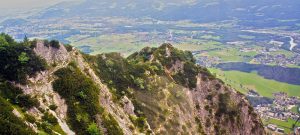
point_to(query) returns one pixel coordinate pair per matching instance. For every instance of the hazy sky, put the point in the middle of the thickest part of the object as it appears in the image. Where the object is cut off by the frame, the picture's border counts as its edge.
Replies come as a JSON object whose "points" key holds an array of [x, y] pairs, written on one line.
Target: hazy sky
{"points": [[14, 4]]}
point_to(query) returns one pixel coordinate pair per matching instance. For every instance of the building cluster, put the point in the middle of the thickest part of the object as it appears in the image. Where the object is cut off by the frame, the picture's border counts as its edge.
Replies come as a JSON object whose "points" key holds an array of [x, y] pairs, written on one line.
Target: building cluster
{"points": [[280, 109], [248, 49], [207, 61], [274, 128], [279, 59]]}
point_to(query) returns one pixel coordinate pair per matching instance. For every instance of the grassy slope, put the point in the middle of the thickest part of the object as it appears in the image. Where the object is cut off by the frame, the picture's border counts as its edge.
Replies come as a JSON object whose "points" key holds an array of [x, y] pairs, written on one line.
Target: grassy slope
{"points": [[265, 87]]}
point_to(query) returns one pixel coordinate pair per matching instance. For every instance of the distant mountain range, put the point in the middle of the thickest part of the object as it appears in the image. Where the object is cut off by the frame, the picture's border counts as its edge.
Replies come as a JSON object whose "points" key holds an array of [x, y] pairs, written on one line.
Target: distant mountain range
{"points": [[247, 11], [253, 13]]}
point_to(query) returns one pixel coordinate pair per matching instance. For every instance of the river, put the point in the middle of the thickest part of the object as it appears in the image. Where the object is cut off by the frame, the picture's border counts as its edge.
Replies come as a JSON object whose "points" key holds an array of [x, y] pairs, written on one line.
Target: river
{"points": [[292, 43]]}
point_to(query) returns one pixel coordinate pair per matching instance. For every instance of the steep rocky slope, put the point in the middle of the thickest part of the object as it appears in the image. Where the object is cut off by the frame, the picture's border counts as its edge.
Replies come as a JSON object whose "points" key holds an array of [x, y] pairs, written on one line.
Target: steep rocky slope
{"points": [[195, 97], [154, 91]]}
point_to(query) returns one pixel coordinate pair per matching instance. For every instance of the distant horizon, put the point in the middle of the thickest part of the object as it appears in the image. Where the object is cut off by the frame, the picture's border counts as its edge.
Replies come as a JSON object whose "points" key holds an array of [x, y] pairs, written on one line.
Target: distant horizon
{"points": [[11, 7]]}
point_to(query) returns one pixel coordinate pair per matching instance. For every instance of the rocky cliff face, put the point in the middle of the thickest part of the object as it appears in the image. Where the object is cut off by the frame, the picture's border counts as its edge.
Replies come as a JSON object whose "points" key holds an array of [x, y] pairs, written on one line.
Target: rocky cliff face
{"points": [[201, 103], [154, 91]]}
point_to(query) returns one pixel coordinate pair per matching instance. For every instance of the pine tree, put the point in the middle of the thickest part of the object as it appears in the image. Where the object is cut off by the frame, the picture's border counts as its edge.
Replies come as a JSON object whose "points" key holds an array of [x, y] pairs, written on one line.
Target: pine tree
{"points": [[26, 41]]}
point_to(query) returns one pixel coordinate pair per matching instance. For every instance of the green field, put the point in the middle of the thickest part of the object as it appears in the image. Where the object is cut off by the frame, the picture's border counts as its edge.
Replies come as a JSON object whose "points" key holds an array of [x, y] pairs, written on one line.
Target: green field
{"points": [[295, 109], [129, 43], [126, 44], [286, 125], [212, 37], [246, 37], [242, 81], [202, 45]]}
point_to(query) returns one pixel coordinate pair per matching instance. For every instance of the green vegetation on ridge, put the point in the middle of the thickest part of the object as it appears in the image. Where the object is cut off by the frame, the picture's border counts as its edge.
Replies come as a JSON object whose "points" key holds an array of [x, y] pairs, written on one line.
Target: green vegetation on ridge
{"points": [[11, 124], [17, 60], [15, 96], [83, 102]]}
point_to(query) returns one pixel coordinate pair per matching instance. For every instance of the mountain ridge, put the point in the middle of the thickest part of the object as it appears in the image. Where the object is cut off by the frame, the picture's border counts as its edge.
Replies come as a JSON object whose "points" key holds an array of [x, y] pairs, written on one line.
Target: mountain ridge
{"points": [[154, 91]]}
